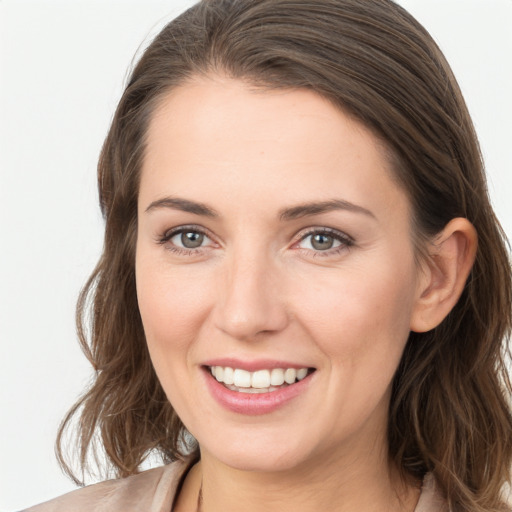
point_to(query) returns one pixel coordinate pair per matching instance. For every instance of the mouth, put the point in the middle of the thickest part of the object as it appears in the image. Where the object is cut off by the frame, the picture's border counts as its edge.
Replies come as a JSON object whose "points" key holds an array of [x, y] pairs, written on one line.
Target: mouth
{"points": [[260, 381]]}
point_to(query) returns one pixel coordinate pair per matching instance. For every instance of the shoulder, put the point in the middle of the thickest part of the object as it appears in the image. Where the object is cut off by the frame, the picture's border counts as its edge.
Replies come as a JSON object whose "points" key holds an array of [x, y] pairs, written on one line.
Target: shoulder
{"points": [[151, 490]]}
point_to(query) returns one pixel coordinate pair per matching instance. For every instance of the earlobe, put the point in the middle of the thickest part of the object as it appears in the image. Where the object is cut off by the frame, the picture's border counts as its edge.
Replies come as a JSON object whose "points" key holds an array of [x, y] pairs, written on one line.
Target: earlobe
{"points": [[451, 256]]}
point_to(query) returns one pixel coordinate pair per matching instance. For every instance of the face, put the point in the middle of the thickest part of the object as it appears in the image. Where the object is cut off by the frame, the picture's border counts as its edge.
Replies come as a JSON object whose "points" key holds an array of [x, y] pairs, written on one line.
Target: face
{"points": [[274, 250]]}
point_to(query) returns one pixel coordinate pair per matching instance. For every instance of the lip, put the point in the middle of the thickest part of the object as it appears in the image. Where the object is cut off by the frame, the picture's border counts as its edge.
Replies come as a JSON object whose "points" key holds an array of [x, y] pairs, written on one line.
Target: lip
{"points": [[258, 403], [253, 366]]}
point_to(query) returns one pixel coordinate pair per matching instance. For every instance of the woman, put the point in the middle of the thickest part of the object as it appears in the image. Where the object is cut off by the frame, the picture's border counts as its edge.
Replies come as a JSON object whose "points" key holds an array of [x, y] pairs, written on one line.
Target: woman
{"points": [[301, 269]]}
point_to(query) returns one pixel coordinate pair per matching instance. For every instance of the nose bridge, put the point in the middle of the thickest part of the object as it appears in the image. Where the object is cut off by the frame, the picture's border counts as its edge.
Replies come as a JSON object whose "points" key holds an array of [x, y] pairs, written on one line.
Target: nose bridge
{"points": [[251, 296]]}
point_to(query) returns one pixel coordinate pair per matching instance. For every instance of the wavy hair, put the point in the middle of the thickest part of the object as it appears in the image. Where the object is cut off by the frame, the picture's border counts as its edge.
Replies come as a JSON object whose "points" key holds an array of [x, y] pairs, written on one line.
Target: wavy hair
{"points": [[450, 409]]}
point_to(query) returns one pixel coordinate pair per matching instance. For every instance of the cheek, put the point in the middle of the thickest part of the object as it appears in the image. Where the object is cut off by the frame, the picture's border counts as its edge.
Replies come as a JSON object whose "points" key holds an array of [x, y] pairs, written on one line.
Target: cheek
{"points": [[170, 303], [362, 315], [360, 322]]}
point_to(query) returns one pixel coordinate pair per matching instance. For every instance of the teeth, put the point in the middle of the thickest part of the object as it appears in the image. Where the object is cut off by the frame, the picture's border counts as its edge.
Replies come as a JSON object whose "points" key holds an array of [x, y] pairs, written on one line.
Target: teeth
{"points": [[261, 381], [254, 391], [300, 374], [277, 377], [228, 375], [290, 375], [241, 378]]}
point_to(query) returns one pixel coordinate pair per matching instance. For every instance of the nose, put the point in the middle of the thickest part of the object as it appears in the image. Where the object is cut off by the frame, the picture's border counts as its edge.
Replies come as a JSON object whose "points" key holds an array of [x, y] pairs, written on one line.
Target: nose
{"points": [[251, 298]]}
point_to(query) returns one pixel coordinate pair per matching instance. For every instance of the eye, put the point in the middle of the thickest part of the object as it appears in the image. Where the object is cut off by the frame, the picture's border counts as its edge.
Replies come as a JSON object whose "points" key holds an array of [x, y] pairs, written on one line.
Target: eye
{"points": [[324, 240], [185, 239], [319, 242], [189, 239]]}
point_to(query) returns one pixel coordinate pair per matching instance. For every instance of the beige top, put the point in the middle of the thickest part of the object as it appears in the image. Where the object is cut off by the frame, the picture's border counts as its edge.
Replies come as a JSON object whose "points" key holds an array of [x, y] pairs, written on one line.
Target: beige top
{"points": [[154, 491]]}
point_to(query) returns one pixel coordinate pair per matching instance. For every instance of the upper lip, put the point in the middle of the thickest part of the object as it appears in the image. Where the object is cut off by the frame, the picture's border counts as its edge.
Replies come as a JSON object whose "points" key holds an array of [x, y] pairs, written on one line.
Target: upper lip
{"points": [[254, 365]]}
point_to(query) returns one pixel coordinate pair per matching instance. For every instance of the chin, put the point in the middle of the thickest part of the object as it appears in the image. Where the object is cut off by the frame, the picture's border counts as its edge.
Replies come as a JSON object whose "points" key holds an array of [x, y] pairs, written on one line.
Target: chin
{"points": [[258, 462], [259, 452]]}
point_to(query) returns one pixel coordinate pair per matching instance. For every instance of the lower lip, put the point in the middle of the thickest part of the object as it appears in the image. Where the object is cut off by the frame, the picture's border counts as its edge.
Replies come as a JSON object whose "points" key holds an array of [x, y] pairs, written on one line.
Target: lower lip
{"points": [[254, 403]]}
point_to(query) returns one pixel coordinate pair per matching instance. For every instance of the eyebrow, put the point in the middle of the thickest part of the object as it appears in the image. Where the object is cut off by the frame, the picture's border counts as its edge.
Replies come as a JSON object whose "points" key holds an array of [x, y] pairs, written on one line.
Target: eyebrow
{"points": [[316, 208], [184, 205], [286, 214]]}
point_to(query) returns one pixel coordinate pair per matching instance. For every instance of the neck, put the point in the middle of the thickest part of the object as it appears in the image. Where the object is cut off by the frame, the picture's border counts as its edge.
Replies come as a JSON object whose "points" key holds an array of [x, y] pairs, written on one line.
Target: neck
{"points": [[365, 483]]}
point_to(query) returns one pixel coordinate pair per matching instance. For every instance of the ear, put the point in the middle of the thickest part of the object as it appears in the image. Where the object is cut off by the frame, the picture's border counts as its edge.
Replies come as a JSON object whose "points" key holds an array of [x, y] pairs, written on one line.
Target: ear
{"points": [[450, 258]]}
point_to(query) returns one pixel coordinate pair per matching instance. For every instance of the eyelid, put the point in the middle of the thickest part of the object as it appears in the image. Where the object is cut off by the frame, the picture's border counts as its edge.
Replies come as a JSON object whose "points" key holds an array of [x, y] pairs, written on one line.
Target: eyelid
{"points": [[170, 233], [323, 230], [346, 241]]}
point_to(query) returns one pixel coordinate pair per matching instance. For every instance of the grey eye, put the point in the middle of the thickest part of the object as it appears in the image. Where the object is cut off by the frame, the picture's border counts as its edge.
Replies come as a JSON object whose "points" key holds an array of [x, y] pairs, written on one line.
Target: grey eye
{"points": [[322, 242], [191, 239]]}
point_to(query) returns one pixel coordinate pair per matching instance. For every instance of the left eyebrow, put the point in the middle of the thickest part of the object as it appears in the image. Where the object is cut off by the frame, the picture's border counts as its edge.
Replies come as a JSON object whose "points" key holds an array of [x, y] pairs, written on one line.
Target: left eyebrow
{"points": [[185, 205], [316, 208]]}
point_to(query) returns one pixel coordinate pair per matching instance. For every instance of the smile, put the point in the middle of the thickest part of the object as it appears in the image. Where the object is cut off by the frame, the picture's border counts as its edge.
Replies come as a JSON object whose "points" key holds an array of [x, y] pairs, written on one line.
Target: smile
{"points": [[256, 388], [260, 381]]}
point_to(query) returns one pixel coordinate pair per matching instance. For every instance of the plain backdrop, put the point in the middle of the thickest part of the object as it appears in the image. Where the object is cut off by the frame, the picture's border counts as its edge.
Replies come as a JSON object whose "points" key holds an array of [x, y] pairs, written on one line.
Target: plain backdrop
{"points": [[62, 67]]}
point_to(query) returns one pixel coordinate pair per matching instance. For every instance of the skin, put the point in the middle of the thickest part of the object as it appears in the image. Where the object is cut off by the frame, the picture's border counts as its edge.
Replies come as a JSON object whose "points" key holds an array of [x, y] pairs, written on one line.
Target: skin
{"points": [[258, 289]]}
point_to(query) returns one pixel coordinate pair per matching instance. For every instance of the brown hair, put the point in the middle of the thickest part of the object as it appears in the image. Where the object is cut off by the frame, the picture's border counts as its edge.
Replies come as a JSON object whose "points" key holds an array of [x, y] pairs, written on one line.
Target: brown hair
{"points": [[450, 412]]}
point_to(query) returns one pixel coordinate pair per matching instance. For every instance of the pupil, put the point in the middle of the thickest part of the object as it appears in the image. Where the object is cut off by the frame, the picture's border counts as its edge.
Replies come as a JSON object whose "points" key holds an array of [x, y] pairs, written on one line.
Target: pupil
{"points": [[191, 240], [322, 242]]}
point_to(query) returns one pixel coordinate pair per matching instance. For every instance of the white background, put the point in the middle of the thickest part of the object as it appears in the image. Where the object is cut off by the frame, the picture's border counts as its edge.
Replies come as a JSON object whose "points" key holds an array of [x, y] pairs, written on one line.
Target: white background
{"points": [[62, 67]]}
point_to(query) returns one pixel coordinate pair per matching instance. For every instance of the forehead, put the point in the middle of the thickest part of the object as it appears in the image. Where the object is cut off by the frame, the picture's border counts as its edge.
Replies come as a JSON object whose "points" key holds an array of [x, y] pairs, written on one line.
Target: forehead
{"points": [[218, 110], [218, 134]]}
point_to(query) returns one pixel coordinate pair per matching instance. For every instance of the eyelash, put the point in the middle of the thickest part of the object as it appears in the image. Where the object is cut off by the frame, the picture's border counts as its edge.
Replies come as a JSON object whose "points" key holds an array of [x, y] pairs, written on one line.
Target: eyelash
{"points": [[345, 241], [182, 251]]}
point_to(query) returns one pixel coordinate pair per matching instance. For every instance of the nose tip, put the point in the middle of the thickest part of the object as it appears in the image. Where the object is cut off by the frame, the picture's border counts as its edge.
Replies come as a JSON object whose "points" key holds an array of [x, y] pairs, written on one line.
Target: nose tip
{"points": [[251, 303]]}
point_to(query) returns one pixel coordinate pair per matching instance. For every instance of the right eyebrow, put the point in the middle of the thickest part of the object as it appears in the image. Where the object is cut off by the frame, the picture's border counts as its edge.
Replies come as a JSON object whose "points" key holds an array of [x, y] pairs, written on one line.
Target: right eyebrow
{"points": [[317, 208], [185, 205]]}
